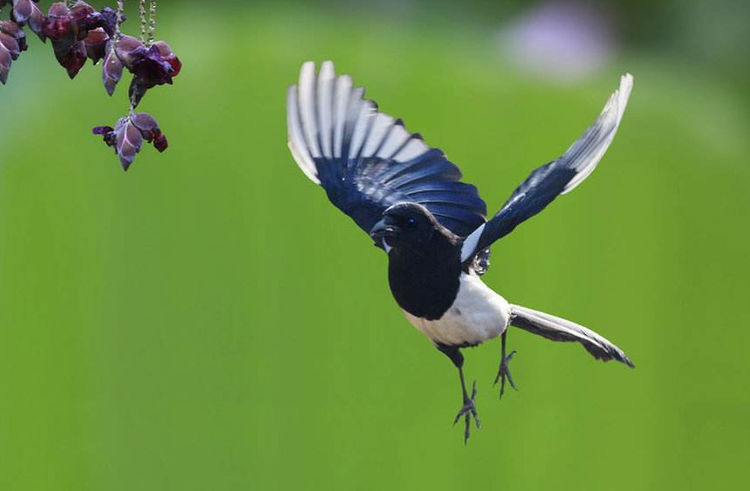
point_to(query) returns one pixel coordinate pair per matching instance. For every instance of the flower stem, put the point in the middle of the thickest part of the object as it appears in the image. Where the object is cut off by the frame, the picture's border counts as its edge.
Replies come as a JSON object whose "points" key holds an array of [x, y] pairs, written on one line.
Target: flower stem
{"points": [[142, 15], [120, 12], [151, 21]]}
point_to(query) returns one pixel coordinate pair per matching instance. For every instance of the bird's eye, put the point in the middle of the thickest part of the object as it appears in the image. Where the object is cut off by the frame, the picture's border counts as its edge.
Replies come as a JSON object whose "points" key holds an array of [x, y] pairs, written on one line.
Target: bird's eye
{"points": [[411, 222]]}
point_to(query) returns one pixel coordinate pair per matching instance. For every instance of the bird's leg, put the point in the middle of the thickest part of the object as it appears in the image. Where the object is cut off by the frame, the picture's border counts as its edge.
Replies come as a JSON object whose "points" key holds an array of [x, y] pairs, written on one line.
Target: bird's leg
{"points": [[469, 409], [503, 372]]}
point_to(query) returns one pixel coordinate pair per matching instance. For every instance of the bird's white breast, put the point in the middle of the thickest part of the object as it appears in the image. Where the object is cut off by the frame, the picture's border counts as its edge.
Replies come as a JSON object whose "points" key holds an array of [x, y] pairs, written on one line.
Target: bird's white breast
{"points": [[477, 314]]}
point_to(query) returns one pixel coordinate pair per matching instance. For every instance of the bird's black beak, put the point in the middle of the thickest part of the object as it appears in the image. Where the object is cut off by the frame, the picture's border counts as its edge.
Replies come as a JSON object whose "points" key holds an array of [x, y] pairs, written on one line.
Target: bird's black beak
{"points": [[384, 229]]}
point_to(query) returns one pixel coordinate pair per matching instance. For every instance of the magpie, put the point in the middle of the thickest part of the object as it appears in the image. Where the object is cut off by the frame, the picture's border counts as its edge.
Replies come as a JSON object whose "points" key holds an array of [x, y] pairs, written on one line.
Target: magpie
{"points": [[411, 201]]}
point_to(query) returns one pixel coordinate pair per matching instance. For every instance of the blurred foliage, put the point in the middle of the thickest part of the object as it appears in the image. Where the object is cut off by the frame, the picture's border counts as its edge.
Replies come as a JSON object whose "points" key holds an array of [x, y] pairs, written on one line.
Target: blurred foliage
{"points": [[209, 321], [712, 35]]}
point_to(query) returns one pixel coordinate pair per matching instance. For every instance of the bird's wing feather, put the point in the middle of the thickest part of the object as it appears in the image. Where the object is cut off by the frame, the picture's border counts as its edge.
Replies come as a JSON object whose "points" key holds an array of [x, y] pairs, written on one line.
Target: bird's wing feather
{"points": [[558, 177], [366, 160], [558, 329]]}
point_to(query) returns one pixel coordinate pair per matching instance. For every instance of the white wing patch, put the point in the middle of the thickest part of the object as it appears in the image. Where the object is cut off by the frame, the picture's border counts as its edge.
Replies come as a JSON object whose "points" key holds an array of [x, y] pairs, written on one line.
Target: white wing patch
{"points": [[325, 107], [326, 115], [413, 149], [470, 243], [395, 140], [589, 149], [380, 126], [582, 156], [343, 90], [297, 144], [307, 105], [361, 128]]}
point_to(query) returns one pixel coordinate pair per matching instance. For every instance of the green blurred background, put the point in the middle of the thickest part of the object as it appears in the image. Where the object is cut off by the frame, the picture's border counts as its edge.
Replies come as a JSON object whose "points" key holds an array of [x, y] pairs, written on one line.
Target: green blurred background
{"points": [[209, 321]]}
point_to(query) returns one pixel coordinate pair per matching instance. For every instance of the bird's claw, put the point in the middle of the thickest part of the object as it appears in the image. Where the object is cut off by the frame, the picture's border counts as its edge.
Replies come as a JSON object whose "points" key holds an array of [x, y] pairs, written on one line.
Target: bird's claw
{"points": [[468, 411], [504, 373]]}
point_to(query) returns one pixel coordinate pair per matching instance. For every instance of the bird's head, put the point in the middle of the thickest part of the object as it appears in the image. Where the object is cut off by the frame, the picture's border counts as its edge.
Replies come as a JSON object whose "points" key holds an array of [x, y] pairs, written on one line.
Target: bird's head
{"points": [[405, 225]]}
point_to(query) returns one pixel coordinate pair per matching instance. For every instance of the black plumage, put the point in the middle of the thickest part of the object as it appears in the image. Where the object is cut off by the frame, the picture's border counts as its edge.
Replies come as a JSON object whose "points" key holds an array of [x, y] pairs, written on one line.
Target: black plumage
{"points": [[424, 264]]}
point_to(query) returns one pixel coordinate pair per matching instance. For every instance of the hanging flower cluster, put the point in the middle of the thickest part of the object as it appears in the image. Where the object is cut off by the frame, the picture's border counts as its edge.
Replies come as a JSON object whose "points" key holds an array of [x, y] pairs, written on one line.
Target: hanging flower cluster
{"points": [[128, 134], [79, 32]]}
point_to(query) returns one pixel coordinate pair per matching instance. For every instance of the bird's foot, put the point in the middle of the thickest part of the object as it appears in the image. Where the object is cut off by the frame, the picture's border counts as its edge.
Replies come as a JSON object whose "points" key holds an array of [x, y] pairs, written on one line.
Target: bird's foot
{"points": [[468, 411], [503, 373]]}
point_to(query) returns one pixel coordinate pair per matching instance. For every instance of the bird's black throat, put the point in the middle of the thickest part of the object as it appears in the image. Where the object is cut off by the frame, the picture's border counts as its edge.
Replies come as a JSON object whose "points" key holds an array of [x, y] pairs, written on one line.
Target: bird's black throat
{"points": [[425, 282]]}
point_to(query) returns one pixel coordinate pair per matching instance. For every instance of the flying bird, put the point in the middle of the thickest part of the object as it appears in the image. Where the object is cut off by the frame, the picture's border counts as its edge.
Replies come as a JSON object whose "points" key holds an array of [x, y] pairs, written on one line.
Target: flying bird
{"points": [[410, 200]]}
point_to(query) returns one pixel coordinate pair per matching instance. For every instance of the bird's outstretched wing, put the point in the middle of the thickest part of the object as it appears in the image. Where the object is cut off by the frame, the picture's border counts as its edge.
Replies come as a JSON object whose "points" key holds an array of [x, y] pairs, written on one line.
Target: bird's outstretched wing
{"points": [[366, 160], [558, 177]]}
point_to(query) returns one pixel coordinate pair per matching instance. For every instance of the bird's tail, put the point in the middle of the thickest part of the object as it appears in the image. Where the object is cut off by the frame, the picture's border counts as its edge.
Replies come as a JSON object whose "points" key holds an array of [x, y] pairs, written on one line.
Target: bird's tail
{"points": [[558, 329]]}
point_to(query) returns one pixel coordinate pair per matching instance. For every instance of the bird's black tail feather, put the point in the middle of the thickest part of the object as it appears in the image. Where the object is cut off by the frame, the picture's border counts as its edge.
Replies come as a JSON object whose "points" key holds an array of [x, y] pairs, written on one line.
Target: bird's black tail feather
{"points": [[558, 329]]}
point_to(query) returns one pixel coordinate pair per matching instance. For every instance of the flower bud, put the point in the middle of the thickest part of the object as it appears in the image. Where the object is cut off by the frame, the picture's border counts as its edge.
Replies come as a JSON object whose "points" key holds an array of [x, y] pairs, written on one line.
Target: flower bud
{"points": [[14, 30], [169, 57], [22, 10], [57, 25], [96, 44], [111, 69], [36, 22], [128, 134], [5, 61], [128, 143], [129, 50], [10, 44]]}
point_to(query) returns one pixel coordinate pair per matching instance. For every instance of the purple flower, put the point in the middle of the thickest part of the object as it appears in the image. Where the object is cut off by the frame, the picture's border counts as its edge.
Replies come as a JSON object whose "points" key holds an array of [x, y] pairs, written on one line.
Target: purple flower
{"points": [[12, 42], [124, 138], [127, 49], [107, 132], [14, 30], [166, 52], [5, 61], [128, 134], [71, 56], [106, 18], [80, 15], [150, 130], [111, 69], [22, 10], [28, 12], [57, 25], [96, 44], [36, 22], [84, 18], [78, 32], [152, 66], [148, 72]]}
